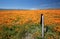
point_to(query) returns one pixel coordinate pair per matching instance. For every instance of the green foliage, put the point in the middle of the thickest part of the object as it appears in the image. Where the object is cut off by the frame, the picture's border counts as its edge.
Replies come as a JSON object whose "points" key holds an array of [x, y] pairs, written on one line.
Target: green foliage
{"points": [[18, 31]]}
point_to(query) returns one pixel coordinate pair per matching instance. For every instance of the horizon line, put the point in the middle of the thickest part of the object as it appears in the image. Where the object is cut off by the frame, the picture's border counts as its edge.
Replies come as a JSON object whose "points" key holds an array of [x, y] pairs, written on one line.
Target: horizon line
{"points": [[29, 9]]}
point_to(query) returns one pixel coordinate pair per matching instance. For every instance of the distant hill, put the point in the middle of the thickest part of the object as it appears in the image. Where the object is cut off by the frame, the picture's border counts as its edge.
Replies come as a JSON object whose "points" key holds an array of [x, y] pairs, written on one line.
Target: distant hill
{"points": [[35, 9]]}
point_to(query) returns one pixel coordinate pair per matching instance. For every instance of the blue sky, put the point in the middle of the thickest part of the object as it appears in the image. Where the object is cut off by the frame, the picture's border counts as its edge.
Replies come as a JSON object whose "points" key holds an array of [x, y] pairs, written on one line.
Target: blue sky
{"points": [[29, 4]]}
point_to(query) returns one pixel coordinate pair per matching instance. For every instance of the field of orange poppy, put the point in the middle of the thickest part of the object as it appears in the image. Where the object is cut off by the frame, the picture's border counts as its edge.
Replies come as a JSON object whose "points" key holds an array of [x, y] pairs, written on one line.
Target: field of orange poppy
{"points": [[50, 16], [11, 17]]}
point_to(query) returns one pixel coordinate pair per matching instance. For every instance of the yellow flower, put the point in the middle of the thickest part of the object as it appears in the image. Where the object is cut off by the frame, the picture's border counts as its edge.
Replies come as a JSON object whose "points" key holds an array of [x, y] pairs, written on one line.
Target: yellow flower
{"points": [[36, 34], [26, 27]]}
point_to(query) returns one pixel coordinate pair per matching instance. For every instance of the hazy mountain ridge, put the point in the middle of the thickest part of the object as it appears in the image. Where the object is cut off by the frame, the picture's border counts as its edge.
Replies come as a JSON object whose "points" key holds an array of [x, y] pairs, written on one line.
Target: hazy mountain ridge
{"points": [[33, 9]]}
